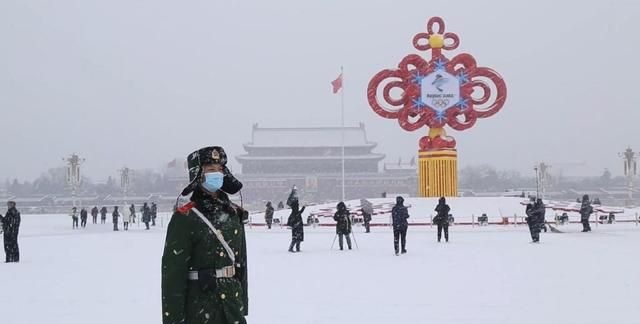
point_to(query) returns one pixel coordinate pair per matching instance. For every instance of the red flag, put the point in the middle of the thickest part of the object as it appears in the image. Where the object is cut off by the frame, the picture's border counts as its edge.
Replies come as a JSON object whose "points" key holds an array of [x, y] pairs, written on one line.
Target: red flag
{"points": [[337, 84], [172, 164]]}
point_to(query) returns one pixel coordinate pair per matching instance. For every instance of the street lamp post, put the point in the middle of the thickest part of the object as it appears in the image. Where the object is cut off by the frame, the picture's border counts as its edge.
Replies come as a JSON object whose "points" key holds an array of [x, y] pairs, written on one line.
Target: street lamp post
{"points": [[537, 182], [125, 181], [630, 170], [73, 174], [542, 174]]}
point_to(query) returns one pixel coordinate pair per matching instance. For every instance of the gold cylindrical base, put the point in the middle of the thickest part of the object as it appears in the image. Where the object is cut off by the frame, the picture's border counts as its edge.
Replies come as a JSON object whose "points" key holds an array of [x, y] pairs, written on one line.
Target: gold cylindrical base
{"points": [[438, 173]]}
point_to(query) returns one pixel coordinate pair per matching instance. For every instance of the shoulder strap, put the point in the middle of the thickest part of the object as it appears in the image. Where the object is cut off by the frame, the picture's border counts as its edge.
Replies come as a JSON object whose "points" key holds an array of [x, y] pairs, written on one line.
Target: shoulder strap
{"points": [[218, 235]]}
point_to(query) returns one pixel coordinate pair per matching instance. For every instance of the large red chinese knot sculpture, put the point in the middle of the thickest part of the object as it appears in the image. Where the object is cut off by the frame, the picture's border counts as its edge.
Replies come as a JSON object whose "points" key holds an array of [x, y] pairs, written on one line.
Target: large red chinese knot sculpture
{"points": [[437, 92]]}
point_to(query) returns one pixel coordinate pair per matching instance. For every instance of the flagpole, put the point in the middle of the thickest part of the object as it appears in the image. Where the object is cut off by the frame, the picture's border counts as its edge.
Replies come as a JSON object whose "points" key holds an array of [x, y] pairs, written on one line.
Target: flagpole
{"points": [[342, 126]]}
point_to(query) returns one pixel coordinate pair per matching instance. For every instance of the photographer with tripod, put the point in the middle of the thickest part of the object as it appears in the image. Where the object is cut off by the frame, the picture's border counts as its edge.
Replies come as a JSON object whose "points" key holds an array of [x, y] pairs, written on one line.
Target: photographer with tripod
{"points": [[343, 224]]}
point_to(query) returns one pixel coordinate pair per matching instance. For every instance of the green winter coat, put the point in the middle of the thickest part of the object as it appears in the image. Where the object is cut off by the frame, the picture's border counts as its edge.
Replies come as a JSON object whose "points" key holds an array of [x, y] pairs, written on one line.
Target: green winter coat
{"points": [[190, 245]]}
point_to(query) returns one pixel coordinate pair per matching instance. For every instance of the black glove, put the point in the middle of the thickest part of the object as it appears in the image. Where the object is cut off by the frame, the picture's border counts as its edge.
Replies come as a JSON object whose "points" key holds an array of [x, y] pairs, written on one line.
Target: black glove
{"points": [[207, 280]]}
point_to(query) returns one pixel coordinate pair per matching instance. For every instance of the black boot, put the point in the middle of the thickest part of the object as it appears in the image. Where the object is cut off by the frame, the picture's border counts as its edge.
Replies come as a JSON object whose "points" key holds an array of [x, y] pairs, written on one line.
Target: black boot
{"points": [[298, 246], [291, 246]]}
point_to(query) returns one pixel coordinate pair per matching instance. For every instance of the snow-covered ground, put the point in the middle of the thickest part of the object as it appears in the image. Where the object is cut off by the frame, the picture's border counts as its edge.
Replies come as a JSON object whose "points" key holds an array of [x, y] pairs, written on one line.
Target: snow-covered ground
{"points": [[484, 275]]}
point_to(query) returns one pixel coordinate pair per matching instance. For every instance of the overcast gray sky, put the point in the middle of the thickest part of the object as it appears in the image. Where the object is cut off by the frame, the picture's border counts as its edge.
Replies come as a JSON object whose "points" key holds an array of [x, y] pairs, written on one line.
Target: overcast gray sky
{"points": [[141, 82]]}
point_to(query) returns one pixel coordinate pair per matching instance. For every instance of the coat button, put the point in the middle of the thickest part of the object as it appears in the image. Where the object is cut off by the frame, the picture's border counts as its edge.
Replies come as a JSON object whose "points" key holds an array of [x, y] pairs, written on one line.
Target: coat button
{"points": [[223, 296], [221, 254], [235, 232]]}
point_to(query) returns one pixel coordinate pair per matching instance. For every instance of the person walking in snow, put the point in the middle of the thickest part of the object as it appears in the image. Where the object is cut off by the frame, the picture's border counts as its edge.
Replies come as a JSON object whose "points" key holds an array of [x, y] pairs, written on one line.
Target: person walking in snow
{"points": [[132, 213], [343, 224], [10, 228], [399, 215], [94, 214], [542, 210], [535, 219], [125, 221], [585, 212], [367, 212], [268, 215], [442, 219], [83, 218], [146, 215], [366, 220], [295, 221], [103, 215], [74, 217], [154, 213], [115, 216]]}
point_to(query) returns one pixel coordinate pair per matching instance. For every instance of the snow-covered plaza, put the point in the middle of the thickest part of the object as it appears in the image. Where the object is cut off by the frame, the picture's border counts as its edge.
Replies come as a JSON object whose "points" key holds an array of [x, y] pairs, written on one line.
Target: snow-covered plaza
{"points": [[486, 274]]}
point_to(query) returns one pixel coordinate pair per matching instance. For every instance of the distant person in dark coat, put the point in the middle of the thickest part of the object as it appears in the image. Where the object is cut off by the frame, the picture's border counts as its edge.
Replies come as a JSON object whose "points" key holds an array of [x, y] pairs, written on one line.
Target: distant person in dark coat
{"points": [[115, 216], [94, 214], [10, 229], [442, 219], [542, 210], [535, 219], [103, 215], [399, 215], [343, 224], [132, 213], [154, 213], [585, 212], [296, 224], [366, 220], [268, 215], [367, 212], [83, 217], [74, 217], [146, 215]]}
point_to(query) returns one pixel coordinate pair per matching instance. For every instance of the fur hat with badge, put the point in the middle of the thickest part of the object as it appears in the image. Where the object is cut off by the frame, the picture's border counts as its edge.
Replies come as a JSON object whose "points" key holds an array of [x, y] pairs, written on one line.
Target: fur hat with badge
{"points": [[210, 155]]}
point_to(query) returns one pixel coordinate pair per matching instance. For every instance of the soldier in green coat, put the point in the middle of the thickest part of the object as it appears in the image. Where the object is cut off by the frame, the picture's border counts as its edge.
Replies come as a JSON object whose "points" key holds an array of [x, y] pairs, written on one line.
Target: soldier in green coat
{"points": [[204, 264]]}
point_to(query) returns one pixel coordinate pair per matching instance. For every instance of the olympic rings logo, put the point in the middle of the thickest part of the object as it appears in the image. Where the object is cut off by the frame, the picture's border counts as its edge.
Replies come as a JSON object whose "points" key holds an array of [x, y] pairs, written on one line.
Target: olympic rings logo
{"points": [[440, 103]]}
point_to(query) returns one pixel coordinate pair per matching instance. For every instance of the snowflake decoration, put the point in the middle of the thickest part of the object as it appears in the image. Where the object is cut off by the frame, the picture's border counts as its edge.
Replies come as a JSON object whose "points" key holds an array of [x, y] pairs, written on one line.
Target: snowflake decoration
{"points": [[417, 78], [463, 104], [440, 65], [440, 116], [463, 77], [418, 103]]}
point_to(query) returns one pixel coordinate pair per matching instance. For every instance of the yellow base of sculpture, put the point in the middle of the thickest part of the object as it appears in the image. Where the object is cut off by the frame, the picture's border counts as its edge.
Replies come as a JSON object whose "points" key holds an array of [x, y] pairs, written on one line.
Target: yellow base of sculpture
{"points": [[438, 173]]}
